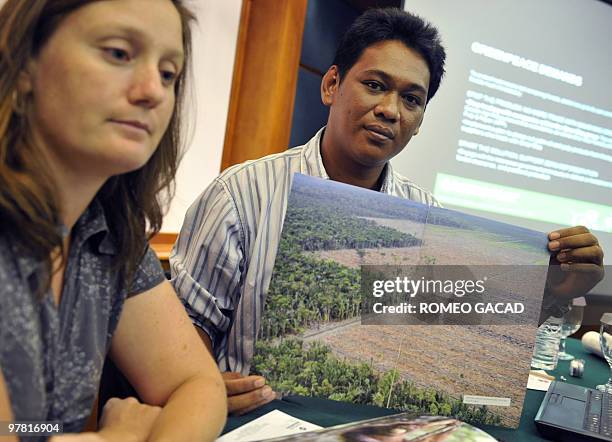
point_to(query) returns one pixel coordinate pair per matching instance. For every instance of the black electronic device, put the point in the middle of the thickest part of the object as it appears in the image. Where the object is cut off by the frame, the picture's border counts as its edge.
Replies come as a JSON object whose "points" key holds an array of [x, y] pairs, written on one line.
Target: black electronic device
{"points": [[573, 413]]}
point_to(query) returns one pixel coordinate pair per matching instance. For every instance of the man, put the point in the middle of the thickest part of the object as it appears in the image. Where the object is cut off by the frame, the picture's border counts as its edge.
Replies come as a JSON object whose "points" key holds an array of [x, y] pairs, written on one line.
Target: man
{"points": [[388, 66]]}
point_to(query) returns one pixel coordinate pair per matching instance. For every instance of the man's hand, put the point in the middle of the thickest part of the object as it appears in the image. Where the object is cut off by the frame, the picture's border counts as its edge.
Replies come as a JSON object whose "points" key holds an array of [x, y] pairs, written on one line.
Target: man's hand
{"points": [[245, 393], [576, 262]]}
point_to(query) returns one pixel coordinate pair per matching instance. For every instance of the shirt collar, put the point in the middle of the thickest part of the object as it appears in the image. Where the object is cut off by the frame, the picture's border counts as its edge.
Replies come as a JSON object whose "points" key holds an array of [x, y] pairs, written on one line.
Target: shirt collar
{"points": [[26, 264], [388, 179], [92, 223], [312, 163]]}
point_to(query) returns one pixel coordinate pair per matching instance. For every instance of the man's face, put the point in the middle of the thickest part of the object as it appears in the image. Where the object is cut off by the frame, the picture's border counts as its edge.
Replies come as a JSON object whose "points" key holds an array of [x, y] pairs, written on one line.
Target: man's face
{"points": [[379, 104]]}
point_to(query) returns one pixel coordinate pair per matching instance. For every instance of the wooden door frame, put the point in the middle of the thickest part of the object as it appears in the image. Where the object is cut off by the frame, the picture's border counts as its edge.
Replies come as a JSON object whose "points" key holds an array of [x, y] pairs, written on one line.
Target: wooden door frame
{"points": [[264, 80]]}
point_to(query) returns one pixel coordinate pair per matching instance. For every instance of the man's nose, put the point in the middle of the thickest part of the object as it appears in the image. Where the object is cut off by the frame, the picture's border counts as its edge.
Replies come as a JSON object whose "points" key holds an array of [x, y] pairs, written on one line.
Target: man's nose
{"points": [[389, 107]]}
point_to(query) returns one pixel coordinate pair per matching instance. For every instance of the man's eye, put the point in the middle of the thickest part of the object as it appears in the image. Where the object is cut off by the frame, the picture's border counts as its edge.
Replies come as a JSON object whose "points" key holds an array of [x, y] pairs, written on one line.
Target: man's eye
{"points": [[373, 85], [118, 54], [412, 99]]}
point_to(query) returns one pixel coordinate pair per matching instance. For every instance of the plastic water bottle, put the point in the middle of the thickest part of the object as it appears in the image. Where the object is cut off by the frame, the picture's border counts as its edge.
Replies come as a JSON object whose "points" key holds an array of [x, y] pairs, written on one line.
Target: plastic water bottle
{"points": [[546, 348]]}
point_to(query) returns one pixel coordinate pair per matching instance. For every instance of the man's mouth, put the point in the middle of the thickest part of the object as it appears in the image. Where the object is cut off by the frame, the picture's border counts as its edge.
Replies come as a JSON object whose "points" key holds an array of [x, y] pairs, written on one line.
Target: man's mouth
{"points": [[382, 133]]}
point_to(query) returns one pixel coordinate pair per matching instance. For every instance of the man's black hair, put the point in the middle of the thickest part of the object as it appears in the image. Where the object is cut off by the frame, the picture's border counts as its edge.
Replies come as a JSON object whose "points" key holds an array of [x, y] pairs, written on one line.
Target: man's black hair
{"points": [[382, 24]]}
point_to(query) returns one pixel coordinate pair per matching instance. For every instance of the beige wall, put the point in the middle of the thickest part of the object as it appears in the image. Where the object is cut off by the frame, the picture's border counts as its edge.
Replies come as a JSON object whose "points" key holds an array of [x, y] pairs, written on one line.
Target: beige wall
{"points": [[214, 50]]}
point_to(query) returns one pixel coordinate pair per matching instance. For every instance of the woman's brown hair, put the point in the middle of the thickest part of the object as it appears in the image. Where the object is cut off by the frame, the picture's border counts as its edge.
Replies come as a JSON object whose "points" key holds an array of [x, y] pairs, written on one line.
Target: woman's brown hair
{"points": [[29, 209]]}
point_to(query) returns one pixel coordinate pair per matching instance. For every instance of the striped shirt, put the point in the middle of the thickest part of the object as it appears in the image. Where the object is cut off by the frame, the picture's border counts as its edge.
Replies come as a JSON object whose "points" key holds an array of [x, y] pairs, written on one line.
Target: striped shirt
{"points": [[223, 259]]}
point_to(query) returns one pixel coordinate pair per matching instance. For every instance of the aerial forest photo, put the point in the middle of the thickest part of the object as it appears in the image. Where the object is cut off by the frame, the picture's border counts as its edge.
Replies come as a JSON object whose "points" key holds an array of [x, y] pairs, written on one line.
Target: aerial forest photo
{"points": [[312, 341]]}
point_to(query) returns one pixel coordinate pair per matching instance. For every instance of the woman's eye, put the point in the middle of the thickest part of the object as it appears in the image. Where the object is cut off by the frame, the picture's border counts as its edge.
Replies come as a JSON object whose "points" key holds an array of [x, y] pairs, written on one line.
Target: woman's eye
{"points": [[168, 77], [118, 54]]}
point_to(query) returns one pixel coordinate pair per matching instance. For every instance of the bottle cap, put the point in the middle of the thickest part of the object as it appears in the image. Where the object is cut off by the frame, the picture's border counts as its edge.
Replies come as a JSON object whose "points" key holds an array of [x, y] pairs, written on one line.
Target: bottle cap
{"points": [[576, 368]]}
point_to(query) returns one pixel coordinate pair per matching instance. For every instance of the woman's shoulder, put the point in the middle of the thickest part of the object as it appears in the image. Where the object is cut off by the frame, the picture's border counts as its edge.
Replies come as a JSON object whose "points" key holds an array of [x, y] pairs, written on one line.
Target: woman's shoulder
{"points": [[15, 264]]}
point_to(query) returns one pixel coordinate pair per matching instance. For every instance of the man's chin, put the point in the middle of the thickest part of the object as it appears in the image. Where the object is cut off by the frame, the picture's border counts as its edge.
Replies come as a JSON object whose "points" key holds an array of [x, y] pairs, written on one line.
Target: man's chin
{"points": [[372, 162], [374, 155]]}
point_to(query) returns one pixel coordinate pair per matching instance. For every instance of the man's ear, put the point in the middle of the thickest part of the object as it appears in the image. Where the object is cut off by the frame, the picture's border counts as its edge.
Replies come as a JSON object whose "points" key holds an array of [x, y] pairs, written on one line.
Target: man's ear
{"points": [[329, 85], [417, 130]]}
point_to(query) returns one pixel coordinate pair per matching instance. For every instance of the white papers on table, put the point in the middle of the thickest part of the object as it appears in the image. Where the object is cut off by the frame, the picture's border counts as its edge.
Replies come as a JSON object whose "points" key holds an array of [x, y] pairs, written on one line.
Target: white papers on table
{"points": [[274, 424]]}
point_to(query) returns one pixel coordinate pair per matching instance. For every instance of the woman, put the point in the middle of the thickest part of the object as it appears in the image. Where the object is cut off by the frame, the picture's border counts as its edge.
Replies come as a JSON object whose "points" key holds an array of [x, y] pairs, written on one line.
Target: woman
{"points": [[90, 95]]}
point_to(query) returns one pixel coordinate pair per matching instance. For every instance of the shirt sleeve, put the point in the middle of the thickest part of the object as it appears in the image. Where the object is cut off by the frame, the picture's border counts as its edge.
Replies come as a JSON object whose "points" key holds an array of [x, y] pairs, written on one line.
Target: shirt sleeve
{"points": [[148, 274], [207, 261]]}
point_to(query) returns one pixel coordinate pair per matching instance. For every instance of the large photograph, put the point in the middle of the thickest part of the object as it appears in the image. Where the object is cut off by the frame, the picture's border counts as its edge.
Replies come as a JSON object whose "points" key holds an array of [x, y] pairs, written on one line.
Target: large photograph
{"points": [[312, 341]]}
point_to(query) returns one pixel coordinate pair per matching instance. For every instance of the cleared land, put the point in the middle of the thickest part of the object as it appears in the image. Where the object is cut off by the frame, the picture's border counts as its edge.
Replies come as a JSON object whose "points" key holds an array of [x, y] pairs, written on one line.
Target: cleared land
{"points": [[459, 246], [490, 360], [476, 360], [441, 246]]}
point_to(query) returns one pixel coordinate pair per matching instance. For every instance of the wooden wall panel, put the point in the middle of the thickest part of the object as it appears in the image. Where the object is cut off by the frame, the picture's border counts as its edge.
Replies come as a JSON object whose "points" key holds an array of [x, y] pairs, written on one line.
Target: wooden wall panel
{"points": [[264, 80], [162, 244]]}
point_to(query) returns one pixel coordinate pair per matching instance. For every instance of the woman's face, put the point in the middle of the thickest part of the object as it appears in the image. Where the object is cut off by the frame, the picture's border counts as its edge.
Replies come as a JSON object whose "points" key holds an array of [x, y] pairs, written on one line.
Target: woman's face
{"points": [[102, 86]]}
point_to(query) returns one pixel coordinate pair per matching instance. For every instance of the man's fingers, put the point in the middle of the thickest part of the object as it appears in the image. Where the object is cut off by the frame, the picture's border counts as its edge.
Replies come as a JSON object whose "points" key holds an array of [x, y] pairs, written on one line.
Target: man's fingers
{"points": [[243, 403], [231, 375], [573, 242], [570, 231], [245, 393], [581, 262], [253, 407], [240, 385], [592, 254]]}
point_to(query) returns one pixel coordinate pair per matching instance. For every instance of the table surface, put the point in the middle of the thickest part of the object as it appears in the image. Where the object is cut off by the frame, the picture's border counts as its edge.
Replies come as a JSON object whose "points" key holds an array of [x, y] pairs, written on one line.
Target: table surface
{"points": [[327, 413]]}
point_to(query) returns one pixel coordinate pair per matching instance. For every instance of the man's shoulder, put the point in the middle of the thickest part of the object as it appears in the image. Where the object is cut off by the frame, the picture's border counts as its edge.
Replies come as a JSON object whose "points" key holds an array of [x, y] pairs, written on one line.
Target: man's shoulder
{"points": [[271, 168], [255, 171], [402, 181], [247, 184], [412, 190]]}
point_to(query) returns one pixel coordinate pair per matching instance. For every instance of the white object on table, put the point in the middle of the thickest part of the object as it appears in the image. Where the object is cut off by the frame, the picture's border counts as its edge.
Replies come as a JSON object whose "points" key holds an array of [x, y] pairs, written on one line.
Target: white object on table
{"points": [[579, 302], [274, 424], [590, 342], [539, 380]]}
